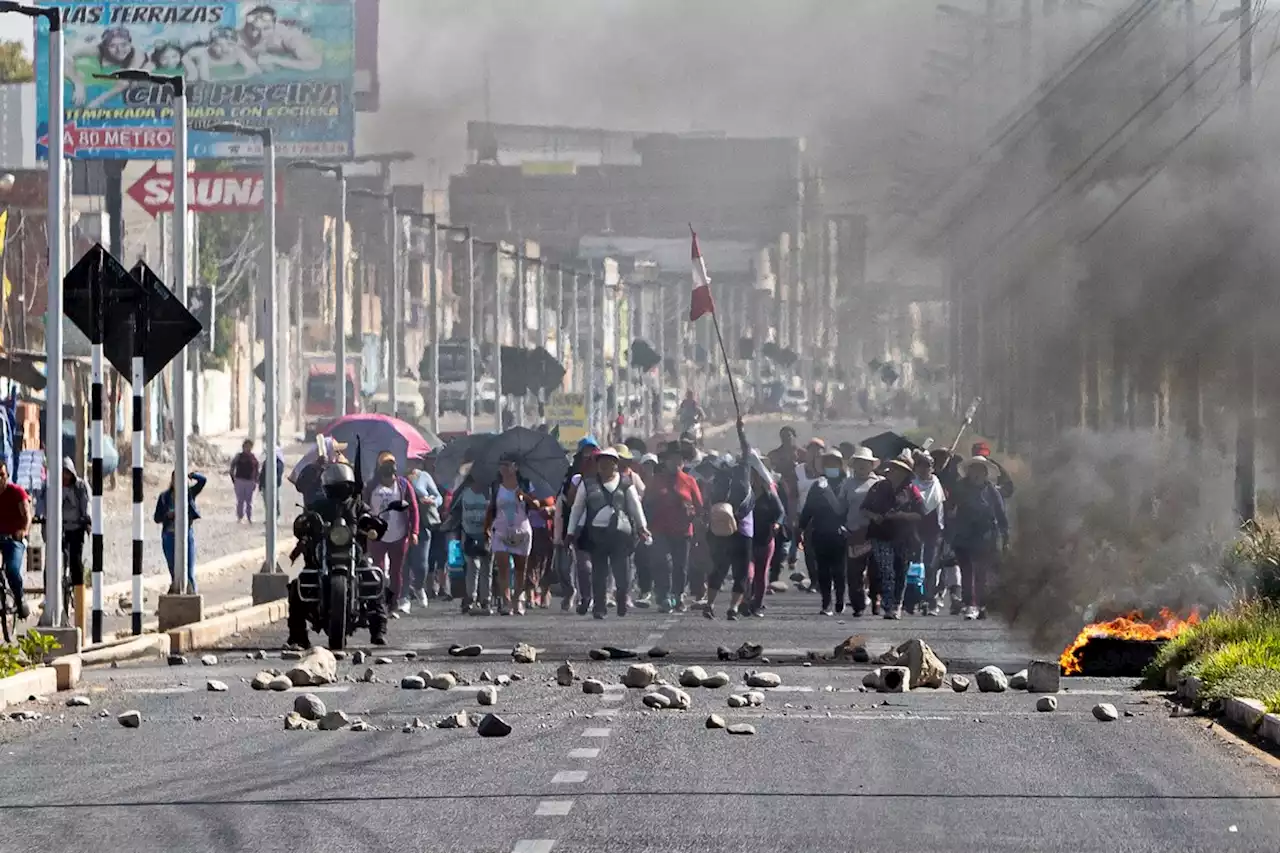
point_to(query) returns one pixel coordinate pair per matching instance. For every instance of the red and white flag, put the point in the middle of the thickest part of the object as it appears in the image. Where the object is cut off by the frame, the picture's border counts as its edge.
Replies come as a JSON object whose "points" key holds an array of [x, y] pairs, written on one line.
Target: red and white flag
{"points": [[702, 303]]}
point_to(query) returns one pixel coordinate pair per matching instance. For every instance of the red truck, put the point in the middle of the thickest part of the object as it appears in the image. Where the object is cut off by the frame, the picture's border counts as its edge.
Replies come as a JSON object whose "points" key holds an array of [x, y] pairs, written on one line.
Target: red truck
{"points": [[320, 403]]}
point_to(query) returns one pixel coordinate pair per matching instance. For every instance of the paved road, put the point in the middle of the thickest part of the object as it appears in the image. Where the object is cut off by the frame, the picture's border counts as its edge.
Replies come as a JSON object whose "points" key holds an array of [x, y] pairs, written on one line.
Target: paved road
{"points": [[831, 768]]}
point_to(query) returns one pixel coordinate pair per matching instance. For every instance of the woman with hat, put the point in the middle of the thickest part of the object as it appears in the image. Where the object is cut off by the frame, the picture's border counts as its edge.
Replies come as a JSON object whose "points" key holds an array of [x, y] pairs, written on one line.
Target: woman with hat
{"points": [[862, 476], [606, 520], [894, 508], [822, 524], [976, 525], [391, 549], [511, 533], [672, 502]]}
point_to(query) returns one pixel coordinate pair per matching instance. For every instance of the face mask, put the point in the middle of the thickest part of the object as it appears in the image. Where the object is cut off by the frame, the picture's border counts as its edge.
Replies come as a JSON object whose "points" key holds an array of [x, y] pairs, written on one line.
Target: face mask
{"points": [[387, 470], [832, 473]]}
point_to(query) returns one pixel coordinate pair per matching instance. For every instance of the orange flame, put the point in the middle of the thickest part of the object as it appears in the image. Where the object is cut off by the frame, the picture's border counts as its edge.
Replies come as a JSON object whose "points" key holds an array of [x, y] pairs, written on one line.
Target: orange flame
{"points": [[1132, 626]]}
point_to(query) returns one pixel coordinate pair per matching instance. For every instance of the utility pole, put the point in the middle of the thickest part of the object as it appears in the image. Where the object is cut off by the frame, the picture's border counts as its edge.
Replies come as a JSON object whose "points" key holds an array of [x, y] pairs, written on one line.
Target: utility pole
{"points": [[521, 319], [590, 378], [1247, 357]]}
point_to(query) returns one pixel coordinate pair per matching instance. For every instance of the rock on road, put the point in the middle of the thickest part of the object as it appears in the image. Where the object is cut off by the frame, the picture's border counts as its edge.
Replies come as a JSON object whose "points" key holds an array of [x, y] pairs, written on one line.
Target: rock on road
{"points": [[830, 768]]}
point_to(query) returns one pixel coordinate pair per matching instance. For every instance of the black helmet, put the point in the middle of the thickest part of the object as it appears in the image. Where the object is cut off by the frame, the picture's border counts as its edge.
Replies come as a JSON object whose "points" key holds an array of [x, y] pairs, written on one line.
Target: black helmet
{"points": [[338, 481]]}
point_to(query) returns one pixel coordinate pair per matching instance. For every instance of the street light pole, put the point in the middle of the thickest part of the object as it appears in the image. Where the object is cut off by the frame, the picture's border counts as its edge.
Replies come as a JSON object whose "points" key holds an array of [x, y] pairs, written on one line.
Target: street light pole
{"points": [[393, 327], [340, 297]]}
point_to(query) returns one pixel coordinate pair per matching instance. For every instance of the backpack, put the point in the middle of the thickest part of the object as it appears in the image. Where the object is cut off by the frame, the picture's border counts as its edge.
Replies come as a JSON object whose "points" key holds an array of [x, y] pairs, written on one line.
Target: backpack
{"points": [[597, 498]]}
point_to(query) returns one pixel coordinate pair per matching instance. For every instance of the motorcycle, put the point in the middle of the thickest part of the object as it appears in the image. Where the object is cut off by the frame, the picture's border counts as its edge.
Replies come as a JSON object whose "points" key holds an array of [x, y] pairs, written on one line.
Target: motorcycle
{"points": [[338, 580], [692, 426]]}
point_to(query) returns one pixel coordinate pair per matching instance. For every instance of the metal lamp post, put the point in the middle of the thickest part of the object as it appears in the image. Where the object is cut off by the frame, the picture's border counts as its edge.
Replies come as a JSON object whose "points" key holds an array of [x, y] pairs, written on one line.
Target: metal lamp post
{"points": [[393, 344], [433, 297], [340, 298]]}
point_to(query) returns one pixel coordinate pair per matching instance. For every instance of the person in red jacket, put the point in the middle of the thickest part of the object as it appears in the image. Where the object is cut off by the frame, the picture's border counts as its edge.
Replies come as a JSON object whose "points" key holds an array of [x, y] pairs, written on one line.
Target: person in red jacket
{"points": [[672, 500]]}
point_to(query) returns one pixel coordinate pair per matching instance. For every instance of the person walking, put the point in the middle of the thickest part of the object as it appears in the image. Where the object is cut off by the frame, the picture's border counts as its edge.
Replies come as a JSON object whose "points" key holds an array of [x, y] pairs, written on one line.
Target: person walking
{"points": [[76, 521], [931, 530], [583, 467], [731, 530], [164, 516], [807, 473], [862, 476], [245, 468], [511, 534], [766, 520], [822, 524], [976, 527], [430, 505], [894, 507], [390, 550], [672, 501], [15, 525], [608, 515], [469, 508], [262, 480]]}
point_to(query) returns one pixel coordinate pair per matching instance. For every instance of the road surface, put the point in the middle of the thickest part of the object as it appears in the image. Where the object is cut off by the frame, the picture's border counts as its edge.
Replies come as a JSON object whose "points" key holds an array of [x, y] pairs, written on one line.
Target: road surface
{"points": [[830, 768]]}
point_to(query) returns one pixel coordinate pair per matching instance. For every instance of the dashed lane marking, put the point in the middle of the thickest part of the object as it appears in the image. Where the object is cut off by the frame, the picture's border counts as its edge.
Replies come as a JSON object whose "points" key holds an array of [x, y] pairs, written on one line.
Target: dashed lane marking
{"points": [[539, 845], [607, 712], [612, 697], [160, 691], [584, 752], [553, 808], [597, 732], [569, 777]]}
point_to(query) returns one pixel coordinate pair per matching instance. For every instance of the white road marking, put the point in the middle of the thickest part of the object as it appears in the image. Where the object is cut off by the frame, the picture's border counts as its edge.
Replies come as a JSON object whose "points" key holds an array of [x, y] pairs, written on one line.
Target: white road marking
{"points": [[540, 845], [612, 697], [584, 752], [615, 688], [597, 732], [790, 688], [607, 712], [553, 808], [324, 688], [160, 691], [653, 638], [569, 777]]}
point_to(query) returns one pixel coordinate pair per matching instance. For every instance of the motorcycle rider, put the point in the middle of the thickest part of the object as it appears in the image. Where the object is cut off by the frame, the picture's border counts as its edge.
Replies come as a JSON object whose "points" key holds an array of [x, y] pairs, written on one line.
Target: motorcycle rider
{"points": [[341, 500], [691, 414]]}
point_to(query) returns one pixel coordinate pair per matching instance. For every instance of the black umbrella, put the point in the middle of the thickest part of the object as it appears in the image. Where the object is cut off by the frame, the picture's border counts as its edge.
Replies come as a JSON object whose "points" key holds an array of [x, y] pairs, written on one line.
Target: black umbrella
{"points": [[456, 453], [888, 445], [643, 356], [541, 458]]}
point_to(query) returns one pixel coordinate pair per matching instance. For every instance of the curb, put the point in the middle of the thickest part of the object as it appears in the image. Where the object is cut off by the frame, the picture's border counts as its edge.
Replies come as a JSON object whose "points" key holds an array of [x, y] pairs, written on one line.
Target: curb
{"points": [[1248, 714], [34, 682], [210, 631], [134, 647]]}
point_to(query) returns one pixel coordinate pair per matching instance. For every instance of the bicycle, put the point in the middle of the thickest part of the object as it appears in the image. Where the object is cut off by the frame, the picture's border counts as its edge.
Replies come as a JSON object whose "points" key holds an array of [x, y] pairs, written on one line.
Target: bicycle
{"points": [[8, 611], [35, 568]]}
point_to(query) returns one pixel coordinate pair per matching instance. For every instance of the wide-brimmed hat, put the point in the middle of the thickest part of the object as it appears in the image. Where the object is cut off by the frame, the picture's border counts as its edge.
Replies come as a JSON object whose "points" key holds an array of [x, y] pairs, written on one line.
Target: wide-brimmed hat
{"points": [[623, 452], [901, 465], [386, 456], [649, 459], [832, 453], [864, 454], [607, 453]]}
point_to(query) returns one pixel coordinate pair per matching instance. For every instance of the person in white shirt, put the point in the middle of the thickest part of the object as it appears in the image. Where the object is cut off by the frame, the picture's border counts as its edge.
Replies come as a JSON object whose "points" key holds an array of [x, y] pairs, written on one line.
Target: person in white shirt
{"points": [[607, 513], [862, 477]]}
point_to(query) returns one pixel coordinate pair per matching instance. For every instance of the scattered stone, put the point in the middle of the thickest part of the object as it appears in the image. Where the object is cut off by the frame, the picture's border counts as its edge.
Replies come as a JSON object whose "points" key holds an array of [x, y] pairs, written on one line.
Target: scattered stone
{"points": [[443, 681], [79, 702], [295, 722], [457, 720], [214, 686], [382, 661], [339, 655], [260, 654], [524, 653], [177, 660], [1045, 704], [565, 674], [598, 654], [410, 655], [1044, 676], [368, 676], [472, 651], [959, 683], [593, 686], [308, 706], [764, 679], [679, 700], [31, 716], [855, 645], [693, 677], [334, 721], [796, 577], [805, 585], [362, 726], [487, 695], [486, 676], [616, 653], [723, 653], [359, 656], [741, 729], [317, 666], [279, 683], [491, 725], [656, 700], [872, 679], [736, 701], [750, 651], [755, 698], [716, 680], [133, 719], [715, 721], [197, 718], [658, 652], [504, 680], [412, 682], [927, 669], [1018, 681], [209, 660], [1105, 712], [779, 586], [418, 723], [895, 679], [640, 675], [991, 679], [261, 680], [290, 654]]}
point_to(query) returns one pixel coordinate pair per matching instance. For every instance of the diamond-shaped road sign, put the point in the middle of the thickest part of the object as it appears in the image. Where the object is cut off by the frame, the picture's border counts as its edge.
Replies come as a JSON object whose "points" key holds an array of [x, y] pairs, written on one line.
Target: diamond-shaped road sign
{"points": [[169, 325]]}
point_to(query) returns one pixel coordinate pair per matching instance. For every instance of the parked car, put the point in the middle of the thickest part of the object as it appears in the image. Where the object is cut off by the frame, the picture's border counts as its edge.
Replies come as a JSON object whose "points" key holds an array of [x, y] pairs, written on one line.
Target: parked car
{"points": [[795, 401]]}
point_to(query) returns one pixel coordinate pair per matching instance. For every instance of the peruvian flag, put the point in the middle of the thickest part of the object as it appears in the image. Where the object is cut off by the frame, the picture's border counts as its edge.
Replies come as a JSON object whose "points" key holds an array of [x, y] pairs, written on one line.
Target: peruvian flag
{"points": [[701, 304]]}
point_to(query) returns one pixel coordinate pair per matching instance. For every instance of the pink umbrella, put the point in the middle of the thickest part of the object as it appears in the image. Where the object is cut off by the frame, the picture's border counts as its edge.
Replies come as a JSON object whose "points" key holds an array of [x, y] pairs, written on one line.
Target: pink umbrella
{"points": [[375, 433]]}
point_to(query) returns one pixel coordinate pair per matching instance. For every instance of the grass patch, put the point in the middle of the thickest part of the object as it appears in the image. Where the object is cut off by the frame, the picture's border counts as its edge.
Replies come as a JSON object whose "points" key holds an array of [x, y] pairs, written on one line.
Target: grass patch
{"points": [[1233, 653]]}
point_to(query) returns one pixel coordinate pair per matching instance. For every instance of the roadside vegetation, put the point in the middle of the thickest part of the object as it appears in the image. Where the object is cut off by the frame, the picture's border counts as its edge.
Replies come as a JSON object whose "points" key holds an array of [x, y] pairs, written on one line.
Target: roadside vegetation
{"points": [[1236, 652], [25, 654]]}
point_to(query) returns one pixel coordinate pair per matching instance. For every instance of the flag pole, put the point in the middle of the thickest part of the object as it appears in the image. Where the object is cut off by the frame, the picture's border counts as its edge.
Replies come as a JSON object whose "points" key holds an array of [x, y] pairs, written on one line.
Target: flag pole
{"points": [[728, 368]]}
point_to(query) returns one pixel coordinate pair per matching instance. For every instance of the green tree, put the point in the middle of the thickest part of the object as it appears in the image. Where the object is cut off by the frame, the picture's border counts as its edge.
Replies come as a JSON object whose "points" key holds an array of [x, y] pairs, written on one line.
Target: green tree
{"points": [[15, 65]]}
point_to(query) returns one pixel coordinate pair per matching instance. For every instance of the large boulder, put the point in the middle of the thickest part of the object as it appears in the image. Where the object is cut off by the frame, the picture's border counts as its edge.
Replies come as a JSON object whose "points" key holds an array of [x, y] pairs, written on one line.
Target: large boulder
{"points": [[1044, 676], [309, 707], [316, 667], [927, 670], [991, 679], [524, 653], [852, 649], [895, 679], [640, 675], [565, 674], [764, 679], [871, 680], [693, 677], [679, 699], [716, 680]]}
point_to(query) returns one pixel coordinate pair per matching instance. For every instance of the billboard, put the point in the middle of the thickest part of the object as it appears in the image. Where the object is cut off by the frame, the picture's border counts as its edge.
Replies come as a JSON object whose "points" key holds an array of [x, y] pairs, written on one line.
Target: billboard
{"points": [[284, 64]]}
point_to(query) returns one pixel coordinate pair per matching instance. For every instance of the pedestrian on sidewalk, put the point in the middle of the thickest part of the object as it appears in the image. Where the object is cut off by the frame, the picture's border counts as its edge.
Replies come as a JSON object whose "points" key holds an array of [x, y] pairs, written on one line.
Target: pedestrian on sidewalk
{"points": [[822, 524], [15, 525], [862, 476], [164, 516], [894, 507], [244, 472], [390, 550], [76, 521], [262, 480]]}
